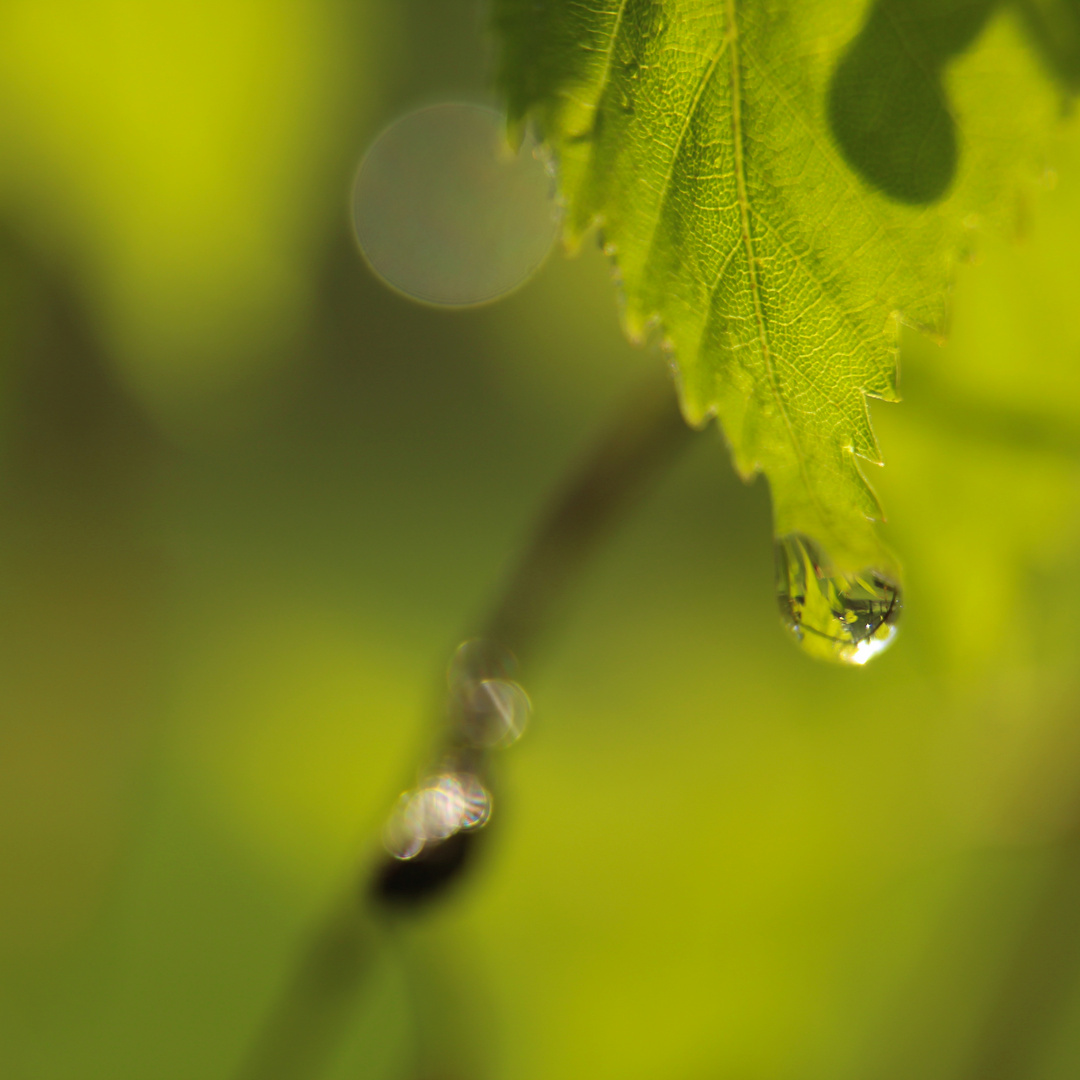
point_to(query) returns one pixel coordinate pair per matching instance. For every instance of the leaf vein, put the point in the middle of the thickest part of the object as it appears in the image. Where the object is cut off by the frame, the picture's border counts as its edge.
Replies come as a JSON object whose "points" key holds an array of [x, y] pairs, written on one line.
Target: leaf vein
{"points": [[691, 113], [609, 54], [731, 34]]}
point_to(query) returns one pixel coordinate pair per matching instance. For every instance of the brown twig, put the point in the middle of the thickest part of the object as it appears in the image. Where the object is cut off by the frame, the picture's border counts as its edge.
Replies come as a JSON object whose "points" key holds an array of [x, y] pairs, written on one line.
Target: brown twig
{"points": [[642, 440]]}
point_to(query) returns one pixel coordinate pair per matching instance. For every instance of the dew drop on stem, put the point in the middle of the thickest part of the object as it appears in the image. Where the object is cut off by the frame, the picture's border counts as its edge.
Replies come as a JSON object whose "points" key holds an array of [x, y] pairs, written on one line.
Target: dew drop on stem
{"points": [[844, 617]]}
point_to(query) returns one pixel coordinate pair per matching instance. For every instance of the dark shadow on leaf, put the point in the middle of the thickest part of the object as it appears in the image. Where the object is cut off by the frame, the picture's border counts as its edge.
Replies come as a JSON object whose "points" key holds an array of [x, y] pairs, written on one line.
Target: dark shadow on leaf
{"points": [[1054, 26], [887, 104]]}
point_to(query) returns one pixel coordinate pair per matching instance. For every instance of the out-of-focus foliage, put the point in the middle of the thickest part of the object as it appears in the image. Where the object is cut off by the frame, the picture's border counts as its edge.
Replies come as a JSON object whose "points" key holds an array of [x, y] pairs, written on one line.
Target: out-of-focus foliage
{"points": [[218, 643], [781, 185], [177, 155]]}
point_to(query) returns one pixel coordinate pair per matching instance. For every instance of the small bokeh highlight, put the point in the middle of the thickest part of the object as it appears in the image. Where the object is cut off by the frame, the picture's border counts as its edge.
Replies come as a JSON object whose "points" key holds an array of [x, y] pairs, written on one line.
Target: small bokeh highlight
{"points": [[443, 805], [487, 707], [445, 210], [486, 710]]}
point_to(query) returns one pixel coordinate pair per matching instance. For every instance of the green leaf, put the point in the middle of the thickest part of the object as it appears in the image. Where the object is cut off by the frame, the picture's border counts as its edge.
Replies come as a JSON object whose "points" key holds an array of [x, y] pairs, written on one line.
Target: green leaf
{"points": [[782, 184]]}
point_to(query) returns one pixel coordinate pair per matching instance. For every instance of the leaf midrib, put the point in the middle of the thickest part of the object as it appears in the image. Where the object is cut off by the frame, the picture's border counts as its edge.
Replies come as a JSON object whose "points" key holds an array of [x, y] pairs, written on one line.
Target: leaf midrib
{"points": [[731, 45], [732, 37]]}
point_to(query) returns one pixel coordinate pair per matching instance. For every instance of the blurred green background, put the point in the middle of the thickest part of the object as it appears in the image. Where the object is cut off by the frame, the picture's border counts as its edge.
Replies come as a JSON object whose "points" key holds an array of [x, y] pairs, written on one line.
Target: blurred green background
{"points": [[249, 501]]}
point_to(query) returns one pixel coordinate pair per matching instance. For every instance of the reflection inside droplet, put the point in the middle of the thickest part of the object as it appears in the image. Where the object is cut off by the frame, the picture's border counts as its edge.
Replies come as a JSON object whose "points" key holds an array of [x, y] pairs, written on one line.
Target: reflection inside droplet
{"points": [[441, 806], [447, 213], [845, 617]]}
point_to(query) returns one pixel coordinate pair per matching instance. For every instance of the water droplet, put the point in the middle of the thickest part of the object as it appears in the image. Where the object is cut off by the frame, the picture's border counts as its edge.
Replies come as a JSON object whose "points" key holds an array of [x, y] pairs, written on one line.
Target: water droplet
{"points": [[476, 804], [487, 708], [494, 712], [844, 617], [477, 659], [446, 213], [441, 806], [400, 837]]}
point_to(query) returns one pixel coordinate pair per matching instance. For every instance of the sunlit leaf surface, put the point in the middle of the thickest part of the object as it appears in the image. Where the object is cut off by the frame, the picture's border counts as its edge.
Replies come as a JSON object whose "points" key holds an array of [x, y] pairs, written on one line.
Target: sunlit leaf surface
{"points": [[220, 659], [781, 185]]}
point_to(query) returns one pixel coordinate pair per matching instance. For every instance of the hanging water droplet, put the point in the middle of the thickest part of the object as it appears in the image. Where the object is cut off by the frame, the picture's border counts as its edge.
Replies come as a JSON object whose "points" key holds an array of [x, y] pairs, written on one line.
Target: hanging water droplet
{"points": [[844, 617]]}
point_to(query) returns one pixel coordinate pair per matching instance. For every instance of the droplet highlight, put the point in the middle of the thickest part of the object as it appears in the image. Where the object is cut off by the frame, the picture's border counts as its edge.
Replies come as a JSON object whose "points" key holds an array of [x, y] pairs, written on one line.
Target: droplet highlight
{"points": [[493, 712], [478, 658], [447, 213], [848, 618], [488, 709], [440, 807]]}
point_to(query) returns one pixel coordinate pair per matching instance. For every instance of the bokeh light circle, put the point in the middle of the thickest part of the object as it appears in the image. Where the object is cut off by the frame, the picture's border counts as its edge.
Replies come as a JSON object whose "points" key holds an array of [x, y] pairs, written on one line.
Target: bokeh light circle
{"points": [[446, 212]]}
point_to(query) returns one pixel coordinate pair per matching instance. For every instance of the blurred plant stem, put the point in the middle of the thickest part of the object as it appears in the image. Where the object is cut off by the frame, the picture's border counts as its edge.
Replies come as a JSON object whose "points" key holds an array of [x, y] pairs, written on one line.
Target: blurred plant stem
{"points": [[639, 443], [302, 1031], [81, 592]]}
